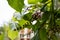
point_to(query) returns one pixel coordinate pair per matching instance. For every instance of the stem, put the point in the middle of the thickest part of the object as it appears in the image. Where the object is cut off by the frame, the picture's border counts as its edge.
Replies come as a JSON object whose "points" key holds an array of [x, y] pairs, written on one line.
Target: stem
{"points": [[52, 21], [52, 5], [42, 9]]}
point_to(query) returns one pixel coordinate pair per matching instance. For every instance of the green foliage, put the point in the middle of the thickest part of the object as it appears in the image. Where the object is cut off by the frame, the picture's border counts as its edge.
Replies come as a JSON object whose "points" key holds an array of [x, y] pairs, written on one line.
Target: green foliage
{"points": [[54, 38], [32, 1], [27, 16], [12, 34], [50, 17], [1, 36], [16, 4], [44, 1], [43, 34], [22, 22], [46, 16]]}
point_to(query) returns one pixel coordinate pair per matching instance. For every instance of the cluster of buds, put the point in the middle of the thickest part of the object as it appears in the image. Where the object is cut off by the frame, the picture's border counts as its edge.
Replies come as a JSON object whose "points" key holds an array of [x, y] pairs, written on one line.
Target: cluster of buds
{"points": [[26, 34], [37, 15]]}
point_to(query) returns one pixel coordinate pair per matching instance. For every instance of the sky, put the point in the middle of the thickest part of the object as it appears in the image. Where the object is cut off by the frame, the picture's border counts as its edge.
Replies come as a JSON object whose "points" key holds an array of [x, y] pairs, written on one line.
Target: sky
{"points": [[6, 12]]}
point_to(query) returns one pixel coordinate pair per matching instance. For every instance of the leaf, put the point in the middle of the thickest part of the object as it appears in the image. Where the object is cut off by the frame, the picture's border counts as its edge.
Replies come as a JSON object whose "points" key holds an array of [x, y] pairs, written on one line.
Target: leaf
{"points": [[16, 4], [43, 34], [2, 37], [14, 19], [32, 1], [40, 0], [22, 22], [46, 16], [28, 16], [43, 1], [12, 34], [48, 7], [29, 26]]}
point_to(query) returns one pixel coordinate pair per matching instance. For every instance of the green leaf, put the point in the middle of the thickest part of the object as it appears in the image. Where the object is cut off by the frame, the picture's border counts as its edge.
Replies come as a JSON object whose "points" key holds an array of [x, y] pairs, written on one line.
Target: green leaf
{"points": [[40, 0], [14, 19], [28, 16], [46, 16], [16, 4], [2, 37], [12, 34], [48, 7], [32, 1], [43, 34], [22, 22], [43, 1], [29, 26]]}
